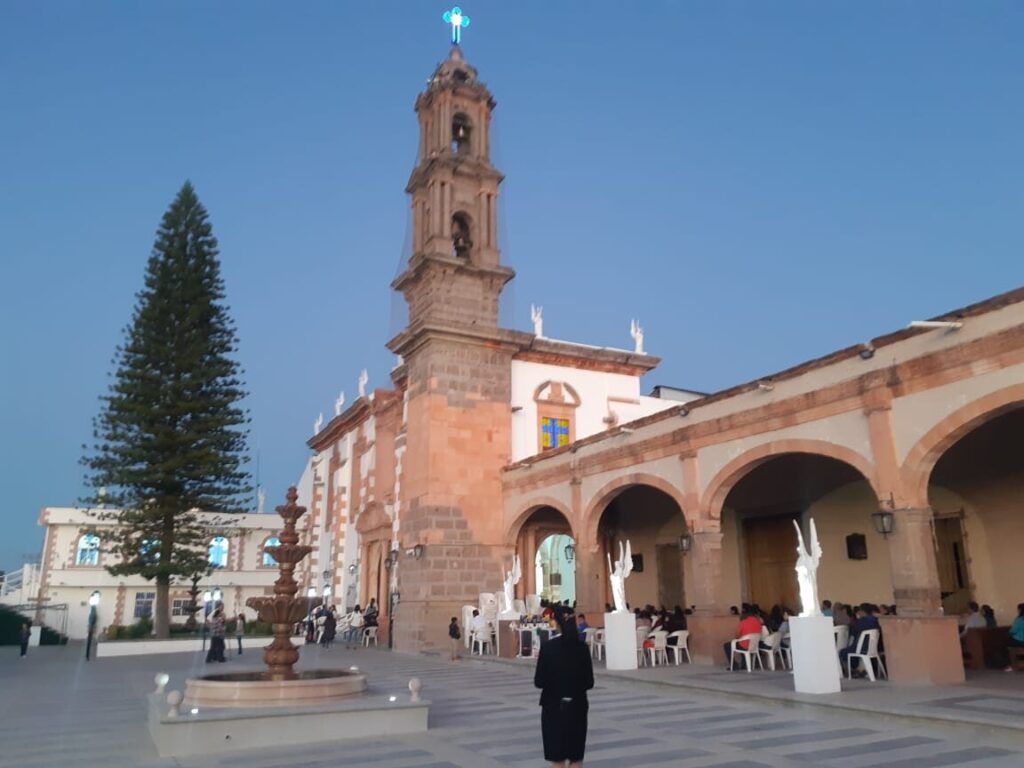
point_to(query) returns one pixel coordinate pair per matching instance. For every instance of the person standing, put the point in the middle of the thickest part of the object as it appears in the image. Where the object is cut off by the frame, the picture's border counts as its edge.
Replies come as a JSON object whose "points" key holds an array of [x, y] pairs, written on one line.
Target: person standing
{"points": [[330, 628], [240, 631], [564, 674], [217, 630], [355, 628], [454, 636], [24, 635]]}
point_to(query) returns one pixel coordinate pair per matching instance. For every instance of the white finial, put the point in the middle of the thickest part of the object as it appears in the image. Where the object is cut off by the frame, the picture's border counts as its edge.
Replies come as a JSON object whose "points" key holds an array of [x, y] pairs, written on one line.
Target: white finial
{"points": [[638, 336], [318, 424], [537, 316], [339, 404], [364, 379], [261, 500]]}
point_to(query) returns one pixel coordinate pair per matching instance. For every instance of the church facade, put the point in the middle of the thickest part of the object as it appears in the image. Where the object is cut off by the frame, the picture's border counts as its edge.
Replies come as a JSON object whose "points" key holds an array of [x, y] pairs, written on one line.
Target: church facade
{"points": [[491, 441]]}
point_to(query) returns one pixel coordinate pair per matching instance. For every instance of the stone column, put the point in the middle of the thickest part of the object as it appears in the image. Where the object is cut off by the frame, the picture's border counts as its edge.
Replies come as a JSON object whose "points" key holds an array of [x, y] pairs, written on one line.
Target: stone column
{"points": [[710, 626], [922, 645], [915, 575]]}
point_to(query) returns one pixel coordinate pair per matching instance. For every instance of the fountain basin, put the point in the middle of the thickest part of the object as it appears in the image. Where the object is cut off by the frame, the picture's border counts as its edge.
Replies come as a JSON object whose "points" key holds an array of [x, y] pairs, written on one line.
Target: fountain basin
{"points": [[252, 690]]}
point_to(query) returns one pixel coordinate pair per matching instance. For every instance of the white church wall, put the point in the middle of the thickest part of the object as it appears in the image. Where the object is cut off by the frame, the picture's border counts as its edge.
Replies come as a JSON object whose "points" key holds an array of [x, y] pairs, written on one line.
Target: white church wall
{"points": [[599, 394]]}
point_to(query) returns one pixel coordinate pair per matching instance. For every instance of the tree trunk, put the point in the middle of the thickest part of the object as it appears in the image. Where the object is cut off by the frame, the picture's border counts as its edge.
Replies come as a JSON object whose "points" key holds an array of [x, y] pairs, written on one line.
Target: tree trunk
{"points": [[162, 608]]}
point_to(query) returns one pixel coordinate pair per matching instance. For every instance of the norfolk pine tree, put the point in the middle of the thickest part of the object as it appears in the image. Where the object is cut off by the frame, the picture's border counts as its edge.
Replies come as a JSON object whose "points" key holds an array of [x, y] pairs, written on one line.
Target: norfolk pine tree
{"points": [[171, 433]]}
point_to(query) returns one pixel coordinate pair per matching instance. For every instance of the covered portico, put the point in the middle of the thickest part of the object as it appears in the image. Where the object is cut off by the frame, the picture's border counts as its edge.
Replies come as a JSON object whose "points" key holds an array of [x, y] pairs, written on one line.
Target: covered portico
{"points": [[879, 443]]}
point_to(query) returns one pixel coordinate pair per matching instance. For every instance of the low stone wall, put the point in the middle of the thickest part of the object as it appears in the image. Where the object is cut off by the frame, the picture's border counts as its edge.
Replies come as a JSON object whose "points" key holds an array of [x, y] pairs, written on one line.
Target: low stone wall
{"points": [[175, 645]]}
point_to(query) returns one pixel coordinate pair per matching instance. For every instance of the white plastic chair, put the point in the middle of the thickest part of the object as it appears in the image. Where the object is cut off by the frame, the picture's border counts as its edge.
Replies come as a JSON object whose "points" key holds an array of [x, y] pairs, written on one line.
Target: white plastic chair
{"points": [[641, 652], [659, 636], [774, 650], [751, 654], [786, 649], [842, 633], [481, 642], [597, 647], [867, 652], [369, 635], [682, 645]]}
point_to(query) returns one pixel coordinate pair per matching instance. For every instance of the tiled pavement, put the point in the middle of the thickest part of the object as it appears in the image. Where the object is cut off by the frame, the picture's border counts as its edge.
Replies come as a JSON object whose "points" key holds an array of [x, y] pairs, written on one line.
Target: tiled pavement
{"points": [[58, 710]]}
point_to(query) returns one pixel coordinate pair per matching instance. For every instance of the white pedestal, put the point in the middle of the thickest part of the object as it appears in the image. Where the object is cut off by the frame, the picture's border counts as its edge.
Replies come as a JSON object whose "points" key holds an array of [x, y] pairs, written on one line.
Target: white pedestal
{"points": [[815, 661], [35, 635], [620, 641]]}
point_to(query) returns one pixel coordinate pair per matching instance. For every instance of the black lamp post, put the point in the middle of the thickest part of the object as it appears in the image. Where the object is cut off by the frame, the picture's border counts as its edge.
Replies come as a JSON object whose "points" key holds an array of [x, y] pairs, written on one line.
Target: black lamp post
{"points": [[94, 600]]}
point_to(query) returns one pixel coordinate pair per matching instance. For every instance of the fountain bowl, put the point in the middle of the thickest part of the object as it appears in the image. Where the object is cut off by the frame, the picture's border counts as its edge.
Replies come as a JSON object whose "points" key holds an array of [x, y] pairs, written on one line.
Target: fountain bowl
{"points": [[252, 690]]}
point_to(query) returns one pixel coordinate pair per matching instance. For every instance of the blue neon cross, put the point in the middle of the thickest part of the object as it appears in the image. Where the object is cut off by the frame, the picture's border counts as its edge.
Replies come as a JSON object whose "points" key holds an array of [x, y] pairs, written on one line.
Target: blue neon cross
{"points": [[458, 20]]}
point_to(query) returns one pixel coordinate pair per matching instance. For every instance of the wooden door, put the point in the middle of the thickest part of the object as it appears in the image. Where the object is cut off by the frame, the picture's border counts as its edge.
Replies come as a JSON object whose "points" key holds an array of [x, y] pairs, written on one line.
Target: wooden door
{"points": [[954, 583], [771, 559], [670, 576]]}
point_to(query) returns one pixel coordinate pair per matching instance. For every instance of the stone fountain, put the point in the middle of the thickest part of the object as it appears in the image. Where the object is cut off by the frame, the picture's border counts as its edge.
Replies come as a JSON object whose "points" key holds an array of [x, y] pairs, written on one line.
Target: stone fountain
{"points": [[278, 706], [280, 684]]}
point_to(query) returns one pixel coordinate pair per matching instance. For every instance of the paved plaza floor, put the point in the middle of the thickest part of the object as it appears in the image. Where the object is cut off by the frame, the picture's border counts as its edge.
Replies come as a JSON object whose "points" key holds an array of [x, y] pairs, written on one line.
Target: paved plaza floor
{"points": [[58, 710]]}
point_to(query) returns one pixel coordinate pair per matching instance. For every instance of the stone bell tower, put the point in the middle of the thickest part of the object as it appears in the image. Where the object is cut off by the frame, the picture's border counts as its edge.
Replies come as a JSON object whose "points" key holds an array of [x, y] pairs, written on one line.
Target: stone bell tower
{"points": [[457, 364]]}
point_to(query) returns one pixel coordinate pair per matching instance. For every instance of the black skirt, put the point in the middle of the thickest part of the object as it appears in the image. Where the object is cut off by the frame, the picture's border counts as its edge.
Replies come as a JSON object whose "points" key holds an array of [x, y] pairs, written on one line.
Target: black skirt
{"points": [[564, 730]]}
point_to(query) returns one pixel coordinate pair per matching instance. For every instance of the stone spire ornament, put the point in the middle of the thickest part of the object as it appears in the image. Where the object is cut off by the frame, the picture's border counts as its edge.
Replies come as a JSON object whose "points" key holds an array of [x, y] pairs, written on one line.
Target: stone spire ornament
{"points": [[318, 424], [339, 403], [537, 316], [364, 379], [638, 336]]}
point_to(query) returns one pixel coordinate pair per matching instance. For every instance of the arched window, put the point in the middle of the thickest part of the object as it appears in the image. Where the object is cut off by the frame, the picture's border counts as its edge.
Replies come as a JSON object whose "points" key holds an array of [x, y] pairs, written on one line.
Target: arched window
{"points": [[219, 552], [462, 133], [268, 559], [462, 242], [88, 550]]}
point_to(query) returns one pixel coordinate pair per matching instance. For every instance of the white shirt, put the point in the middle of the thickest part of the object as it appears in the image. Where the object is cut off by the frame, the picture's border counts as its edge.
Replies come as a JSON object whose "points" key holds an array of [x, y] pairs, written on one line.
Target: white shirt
{"points": [[479, 625]]}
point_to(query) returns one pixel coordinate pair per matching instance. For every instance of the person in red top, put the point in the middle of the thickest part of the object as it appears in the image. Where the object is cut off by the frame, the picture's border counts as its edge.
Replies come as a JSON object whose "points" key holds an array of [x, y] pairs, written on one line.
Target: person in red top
{"points": [[750, 624]]}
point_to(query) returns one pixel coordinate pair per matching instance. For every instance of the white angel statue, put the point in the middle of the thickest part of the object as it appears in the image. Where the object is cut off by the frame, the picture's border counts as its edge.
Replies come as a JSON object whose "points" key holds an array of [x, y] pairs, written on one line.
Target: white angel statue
{"points": [[511, 579], [339, 403], [364, 379], [537, 316], [638, 336], [807, 570], [618, 575]]}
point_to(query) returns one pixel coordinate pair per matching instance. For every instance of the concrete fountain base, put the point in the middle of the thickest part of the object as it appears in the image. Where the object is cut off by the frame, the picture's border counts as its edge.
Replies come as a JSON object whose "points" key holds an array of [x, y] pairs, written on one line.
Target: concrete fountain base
{"points": [[253, 690], [196, 730]]}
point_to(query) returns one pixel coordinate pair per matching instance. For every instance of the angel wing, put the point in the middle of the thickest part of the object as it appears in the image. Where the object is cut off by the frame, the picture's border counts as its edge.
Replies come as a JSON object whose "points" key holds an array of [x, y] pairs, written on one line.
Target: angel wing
{"points": [[627, 562], [815, 544], [801, 547]]}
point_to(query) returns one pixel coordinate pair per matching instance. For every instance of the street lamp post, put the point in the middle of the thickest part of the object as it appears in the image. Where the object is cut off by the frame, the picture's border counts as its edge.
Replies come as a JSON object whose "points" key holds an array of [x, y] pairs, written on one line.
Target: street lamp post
{"points": [[94, 600]]}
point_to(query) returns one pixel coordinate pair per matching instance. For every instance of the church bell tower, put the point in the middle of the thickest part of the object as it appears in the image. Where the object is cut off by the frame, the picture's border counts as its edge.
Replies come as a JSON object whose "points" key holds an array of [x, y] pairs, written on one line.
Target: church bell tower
{"points": [[457, 365]]}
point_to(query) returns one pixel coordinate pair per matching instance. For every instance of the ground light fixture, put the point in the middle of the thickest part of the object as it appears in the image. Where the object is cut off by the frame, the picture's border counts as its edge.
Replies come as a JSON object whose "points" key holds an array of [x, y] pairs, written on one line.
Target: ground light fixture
{"points": [[217, 595], [311, 593], [327, 591], [94, 598]]}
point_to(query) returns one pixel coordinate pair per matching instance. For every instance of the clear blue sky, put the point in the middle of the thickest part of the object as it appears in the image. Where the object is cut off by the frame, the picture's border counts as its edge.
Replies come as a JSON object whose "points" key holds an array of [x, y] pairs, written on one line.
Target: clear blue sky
{"points": [[760, 183]]}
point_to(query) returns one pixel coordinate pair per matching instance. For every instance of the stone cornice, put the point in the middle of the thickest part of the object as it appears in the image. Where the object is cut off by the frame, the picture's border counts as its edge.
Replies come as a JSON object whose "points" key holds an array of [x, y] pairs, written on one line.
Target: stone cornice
{"points": [[419, 333], [348, 420], [569, 355], [421, 262]]}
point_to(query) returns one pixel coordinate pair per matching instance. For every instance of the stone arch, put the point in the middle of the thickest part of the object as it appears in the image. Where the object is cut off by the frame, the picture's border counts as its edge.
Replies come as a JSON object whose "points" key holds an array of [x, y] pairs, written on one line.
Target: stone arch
{"points": [[726, 478], [922, 458], [531, 506], [601, 499]]}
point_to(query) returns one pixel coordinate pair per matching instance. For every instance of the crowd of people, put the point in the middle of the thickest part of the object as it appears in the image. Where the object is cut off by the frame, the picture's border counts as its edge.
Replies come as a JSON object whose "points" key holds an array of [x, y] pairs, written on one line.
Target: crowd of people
{"points": [[325, 621]]}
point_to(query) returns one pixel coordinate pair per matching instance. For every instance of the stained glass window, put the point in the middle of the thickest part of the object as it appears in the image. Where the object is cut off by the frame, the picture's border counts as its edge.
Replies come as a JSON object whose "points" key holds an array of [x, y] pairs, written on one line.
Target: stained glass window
{"points": [[554, 433]]}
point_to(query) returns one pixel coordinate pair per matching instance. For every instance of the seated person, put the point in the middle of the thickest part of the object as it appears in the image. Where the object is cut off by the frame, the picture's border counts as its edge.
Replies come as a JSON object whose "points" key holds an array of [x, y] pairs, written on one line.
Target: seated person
{"points": [[581, 624], [775, 619], [643, 619], [1017, 632], [826, 608], [676, 622], [749, 624], [990, 617], [865, 619], [478, 624], [973, 619]]}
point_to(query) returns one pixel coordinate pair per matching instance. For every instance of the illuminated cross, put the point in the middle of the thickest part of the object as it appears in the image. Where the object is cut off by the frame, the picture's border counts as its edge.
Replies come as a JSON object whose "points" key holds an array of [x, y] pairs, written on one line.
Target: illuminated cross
{"points": [[458, 21]]}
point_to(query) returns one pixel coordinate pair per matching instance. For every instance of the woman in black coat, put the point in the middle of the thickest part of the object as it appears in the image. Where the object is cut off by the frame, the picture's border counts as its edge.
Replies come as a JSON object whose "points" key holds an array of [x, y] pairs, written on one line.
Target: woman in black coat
{"points": [[564, 674]]}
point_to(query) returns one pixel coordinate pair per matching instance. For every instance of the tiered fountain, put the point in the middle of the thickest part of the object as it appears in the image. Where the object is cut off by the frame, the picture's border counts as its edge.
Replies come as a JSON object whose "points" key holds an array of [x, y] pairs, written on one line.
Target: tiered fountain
{"points": [[280, 684], [278, 707]]}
